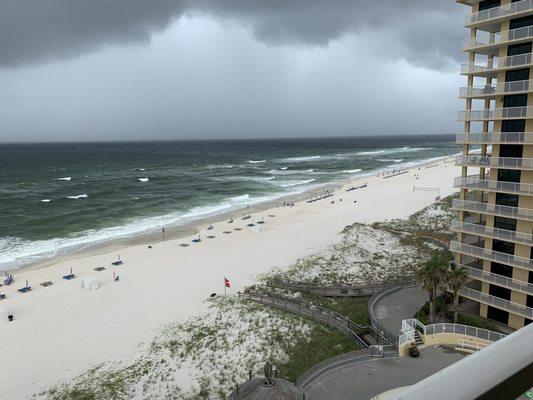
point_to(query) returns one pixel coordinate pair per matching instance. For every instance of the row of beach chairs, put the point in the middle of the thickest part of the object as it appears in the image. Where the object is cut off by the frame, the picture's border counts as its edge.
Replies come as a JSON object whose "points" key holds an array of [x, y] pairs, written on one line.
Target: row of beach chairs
{"points": [[9, 279]]}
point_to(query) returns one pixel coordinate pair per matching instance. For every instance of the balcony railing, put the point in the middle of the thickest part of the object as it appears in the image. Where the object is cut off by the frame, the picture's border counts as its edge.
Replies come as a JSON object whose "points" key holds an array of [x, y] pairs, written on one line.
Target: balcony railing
{"points": [[499, 12], [498, 38], [496, 89], [491, 255], [495, 138], [491, 232], [475, 182], [496, 113], [495, 162], [488, 66], [493, 209], [509, 283], [494, 301]]}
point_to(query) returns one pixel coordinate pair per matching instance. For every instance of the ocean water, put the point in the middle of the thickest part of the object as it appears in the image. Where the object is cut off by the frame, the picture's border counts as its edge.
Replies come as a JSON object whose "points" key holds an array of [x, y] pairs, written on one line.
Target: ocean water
{"points": [[57, 198]]}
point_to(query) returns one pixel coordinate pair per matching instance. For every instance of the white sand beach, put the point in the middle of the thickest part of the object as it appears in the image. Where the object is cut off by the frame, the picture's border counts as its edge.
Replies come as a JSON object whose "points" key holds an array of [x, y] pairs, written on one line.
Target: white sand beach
{"points": [[61, 330]]}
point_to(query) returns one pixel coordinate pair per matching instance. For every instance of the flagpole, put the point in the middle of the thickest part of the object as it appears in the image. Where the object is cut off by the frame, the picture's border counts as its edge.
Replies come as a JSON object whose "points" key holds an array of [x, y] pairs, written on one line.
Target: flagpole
{"points": [[225, 287]]}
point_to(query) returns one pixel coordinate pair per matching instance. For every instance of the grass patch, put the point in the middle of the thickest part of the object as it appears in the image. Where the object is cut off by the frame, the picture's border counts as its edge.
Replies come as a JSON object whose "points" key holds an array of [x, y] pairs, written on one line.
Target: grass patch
{"points": [[323, 343]]}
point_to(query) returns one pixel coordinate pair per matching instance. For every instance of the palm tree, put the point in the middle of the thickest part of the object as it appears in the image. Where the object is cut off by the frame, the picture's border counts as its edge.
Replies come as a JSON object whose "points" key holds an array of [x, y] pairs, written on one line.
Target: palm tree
{"points": [[432, 275], [456, 279]]}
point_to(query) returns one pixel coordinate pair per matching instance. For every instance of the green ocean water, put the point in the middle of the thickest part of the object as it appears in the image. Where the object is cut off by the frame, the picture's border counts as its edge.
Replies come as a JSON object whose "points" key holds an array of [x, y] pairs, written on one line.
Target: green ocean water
{"points": [[57, 198]]}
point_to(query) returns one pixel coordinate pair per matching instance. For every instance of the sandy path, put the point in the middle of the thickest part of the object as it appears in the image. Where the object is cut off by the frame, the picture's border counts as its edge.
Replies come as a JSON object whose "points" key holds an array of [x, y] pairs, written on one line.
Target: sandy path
{"points": [[63, 329]]}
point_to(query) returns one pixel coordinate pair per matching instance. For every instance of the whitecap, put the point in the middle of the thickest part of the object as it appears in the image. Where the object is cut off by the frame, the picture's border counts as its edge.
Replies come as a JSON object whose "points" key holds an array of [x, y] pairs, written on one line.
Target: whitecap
{"points": [[390, 160], [370, 153], [67, 178], [220, 166], [256, 161], [238, 199], [294, 183], [351, 171], [80, 196], [244, 178], [301, 159], [45, 201], [143, 179]]}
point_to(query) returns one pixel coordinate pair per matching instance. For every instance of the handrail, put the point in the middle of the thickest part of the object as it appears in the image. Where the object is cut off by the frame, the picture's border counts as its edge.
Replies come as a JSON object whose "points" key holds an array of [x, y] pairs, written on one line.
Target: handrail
{"points": [[498, 38], [335, 290], [496, 113], [475, 182], [499, 280], [491, 65], [494, 162], [470, 345], [497, 88], [491, 255], [409, 327], [495, 137], [493, 209], [326, 316], [317, 369], [392, 336], [498, 12], [494, 301], [489, 231]]}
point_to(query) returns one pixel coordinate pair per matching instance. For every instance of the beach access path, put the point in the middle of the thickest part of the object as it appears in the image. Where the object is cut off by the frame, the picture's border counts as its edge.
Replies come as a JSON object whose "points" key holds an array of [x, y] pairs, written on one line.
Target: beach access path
{"points": [[61, 330]]}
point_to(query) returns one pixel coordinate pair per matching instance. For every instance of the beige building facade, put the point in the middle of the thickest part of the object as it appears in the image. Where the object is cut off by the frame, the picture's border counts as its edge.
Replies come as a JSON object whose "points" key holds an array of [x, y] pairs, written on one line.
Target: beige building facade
{"points": [[495, 209]]}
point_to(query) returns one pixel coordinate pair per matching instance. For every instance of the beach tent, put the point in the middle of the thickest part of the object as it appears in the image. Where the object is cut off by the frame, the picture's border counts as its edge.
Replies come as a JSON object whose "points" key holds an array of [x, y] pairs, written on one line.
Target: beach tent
{"points": [[90, 283], [3, 314]]}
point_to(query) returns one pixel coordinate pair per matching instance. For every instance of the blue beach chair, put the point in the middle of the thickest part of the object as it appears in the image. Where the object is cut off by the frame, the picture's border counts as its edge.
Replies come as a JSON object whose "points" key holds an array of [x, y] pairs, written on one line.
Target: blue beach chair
{"points": [[69, 276]]}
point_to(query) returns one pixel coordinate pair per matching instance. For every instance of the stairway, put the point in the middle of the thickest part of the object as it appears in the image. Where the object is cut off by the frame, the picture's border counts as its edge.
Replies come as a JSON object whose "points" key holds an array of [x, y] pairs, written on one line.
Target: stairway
{"points": [[418, 339]]}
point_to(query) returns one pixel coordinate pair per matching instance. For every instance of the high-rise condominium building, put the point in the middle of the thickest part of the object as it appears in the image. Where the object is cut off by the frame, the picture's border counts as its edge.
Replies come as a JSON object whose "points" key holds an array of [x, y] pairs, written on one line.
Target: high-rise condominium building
{"points": [[495, 224]]}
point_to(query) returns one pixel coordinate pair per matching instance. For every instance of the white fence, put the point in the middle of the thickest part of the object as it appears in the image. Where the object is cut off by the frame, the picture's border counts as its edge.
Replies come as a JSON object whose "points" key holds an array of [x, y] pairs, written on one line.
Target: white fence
{"points": [[409, 327]]}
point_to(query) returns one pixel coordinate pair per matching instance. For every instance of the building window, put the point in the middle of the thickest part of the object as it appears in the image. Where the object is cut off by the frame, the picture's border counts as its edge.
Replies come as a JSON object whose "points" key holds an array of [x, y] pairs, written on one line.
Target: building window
{"points": [[505, 199], [498, 315], [500, 292], [486, 4], [501, 269], [522, 48], [511, 150], [505, 223], [514, 125], [509, 175], [521, 22]]}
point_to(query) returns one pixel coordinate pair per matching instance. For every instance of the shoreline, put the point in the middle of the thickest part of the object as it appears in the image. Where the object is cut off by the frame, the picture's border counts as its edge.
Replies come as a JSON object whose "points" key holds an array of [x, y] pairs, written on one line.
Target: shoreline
{"points": [[187, 229]]}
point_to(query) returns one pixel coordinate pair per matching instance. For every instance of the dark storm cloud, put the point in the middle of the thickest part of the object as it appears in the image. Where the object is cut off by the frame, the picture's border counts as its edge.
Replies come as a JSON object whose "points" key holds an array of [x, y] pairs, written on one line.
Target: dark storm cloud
{"points": [[424, 32]]}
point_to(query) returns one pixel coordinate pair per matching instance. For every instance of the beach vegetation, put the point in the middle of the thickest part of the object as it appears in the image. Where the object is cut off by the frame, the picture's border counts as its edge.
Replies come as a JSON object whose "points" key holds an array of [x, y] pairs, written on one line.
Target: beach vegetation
{"points": [[431, 277]]}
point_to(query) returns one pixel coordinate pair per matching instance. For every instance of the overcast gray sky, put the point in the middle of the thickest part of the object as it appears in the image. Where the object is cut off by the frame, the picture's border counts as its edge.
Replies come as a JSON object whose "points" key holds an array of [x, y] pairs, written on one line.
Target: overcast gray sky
{"points": [[193, 69]]}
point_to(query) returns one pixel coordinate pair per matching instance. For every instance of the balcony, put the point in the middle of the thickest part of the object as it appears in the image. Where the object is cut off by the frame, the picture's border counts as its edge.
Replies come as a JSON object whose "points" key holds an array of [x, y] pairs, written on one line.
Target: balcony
{"points": [[497, 89], [491, 255], [491, 44], [490, 68], [497, 210], [495, 162], [496, 114], [494, 301], [475, 182], [503, 281], [495, 138], [488, 19], [493, 233]]}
